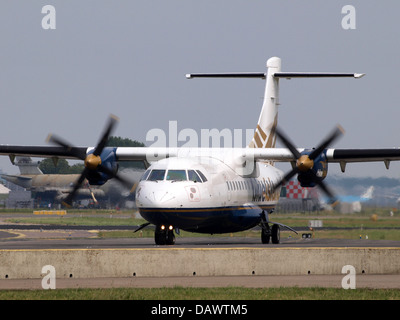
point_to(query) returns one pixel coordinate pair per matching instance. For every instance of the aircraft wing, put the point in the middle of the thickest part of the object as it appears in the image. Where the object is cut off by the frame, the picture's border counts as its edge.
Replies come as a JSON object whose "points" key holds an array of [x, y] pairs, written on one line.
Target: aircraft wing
{"points": [[342, 156], [43, 151], [151, 154]]}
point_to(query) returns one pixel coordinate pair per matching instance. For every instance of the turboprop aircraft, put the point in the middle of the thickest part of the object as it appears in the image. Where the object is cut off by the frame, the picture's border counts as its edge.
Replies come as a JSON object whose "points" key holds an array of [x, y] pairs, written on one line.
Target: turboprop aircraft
{"points": [[215, 190]]}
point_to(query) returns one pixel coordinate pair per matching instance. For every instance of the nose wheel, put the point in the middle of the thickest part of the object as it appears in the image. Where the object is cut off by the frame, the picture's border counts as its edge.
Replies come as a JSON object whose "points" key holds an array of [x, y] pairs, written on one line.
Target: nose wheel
{"points": [[164, 235]]}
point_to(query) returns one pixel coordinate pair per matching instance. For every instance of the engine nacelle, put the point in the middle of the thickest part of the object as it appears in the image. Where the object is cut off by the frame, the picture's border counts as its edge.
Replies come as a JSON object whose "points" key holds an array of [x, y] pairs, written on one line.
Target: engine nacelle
{"points": [[318, 171], [108, 160]]}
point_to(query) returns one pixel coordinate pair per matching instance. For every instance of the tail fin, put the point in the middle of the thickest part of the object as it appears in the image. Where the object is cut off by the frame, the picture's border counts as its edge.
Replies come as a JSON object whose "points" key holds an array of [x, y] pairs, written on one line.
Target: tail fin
{"points": [[27, 166], [368, 194], [264, 136]]}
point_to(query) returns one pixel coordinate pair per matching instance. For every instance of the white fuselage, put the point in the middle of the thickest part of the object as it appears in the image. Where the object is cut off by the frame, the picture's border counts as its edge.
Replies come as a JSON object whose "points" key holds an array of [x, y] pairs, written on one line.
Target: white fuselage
{"points": [[206, 194]]}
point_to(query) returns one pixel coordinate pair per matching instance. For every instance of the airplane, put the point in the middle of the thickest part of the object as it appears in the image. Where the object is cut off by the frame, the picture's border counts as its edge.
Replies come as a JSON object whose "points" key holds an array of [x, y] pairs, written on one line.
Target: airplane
{"points": [[50, 187], [354, 201], [215, 190], [366, 196]]}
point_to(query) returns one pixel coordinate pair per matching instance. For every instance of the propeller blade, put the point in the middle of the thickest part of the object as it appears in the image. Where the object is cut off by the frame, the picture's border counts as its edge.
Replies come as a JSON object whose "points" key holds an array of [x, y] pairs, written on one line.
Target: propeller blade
{"points": [[333, 136], [127, 183], [305, 163], [102, 143], [286, 178], [333, 200], [288, 144], [51, 138], [68, 200], [92, 161]]}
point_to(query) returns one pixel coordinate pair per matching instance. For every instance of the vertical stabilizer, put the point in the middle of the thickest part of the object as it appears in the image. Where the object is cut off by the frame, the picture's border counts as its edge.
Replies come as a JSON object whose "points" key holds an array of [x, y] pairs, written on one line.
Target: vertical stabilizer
{"points": [[367, 195], [264, 136], [27, 166]]}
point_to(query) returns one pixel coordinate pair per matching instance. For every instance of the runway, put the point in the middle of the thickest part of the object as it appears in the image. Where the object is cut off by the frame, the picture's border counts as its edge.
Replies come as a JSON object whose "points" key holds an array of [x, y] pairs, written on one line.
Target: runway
{"points": [[84, 239]]}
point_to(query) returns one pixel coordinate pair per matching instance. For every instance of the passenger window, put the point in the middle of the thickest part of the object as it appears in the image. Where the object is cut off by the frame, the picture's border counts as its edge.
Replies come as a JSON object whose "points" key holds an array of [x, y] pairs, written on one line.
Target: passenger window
{"points": [[145, 175], [203, 177], [176, 175], [156, 175], [193, 176]]}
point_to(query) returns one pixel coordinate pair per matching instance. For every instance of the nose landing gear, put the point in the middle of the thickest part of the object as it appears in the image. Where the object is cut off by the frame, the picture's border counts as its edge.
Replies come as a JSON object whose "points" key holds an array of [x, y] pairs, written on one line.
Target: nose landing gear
{"points": [[164, 235]]}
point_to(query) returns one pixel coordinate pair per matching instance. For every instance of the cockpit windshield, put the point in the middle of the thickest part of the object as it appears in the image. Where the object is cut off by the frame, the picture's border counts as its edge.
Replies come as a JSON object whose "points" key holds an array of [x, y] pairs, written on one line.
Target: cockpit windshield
{"points": [[176, 175], [145, 175], [193, 176], [156, 175], [203, 177]]}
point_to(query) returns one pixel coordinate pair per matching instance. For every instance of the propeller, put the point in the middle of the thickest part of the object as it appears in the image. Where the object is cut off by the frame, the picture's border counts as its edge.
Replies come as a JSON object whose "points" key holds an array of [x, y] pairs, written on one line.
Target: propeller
{"points": [[305, 162], [92, 161]]}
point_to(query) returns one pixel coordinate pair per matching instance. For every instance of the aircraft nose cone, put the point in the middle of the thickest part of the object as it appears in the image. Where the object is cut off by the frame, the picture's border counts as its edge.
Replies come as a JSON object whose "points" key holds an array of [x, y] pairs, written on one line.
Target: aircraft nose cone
{"points": [[161, 196], [147, 197]]}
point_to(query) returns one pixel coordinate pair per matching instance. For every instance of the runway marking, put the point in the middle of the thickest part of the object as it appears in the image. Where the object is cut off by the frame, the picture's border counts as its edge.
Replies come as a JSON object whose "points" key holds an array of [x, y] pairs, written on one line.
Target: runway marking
{"points": [[19, 235]]}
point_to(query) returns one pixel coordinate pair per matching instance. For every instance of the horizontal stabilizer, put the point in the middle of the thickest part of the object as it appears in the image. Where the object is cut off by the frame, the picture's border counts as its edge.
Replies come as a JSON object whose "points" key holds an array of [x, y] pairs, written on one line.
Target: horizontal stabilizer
{"points": [[259, 75], [289, 75]]}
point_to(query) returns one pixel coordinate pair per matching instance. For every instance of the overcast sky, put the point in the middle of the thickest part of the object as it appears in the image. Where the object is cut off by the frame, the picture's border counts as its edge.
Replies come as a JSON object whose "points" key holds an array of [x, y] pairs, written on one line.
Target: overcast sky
{"points": [[130, 58]]}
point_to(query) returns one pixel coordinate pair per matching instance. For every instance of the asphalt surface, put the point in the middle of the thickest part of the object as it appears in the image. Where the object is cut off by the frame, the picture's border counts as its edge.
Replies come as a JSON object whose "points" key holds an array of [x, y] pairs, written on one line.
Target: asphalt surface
{"points": [[81, 239]]}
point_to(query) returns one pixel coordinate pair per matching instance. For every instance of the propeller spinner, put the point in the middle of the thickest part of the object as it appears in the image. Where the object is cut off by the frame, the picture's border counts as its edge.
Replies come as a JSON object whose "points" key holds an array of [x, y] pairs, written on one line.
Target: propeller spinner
{"points": [[307, 163], [93, 161]]}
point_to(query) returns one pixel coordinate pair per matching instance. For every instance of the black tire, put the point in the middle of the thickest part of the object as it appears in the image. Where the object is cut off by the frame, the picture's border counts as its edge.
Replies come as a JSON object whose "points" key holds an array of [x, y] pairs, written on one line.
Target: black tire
{"points": [[276, 234], [160, 236], [170, 240], [265, 236]]}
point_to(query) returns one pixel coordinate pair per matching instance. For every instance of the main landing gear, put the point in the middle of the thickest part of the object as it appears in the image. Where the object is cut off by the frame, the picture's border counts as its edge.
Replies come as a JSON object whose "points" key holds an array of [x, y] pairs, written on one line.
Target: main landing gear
{"points": [[273, 233], [268, 233], [164, 235]]}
